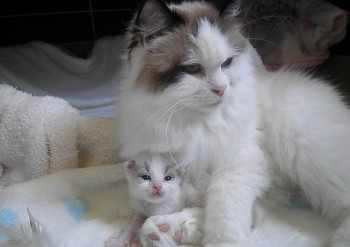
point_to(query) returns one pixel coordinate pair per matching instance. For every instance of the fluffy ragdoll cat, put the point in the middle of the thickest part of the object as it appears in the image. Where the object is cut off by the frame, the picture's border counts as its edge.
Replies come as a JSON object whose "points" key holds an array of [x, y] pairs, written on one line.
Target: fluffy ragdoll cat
{"points": [[196, 89]]}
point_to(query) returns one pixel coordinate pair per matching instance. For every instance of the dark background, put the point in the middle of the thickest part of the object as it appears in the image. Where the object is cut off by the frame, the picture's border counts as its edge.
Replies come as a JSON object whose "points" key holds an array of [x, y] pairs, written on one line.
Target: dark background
{"points": [[76, 24]]}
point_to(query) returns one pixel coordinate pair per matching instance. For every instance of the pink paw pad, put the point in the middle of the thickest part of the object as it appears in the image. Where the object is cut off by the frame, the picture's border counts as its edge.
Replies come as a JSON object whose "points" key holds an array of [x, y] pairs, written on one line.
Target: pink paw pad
{"points": [[177, 237], [164, 227], [153, 237]]}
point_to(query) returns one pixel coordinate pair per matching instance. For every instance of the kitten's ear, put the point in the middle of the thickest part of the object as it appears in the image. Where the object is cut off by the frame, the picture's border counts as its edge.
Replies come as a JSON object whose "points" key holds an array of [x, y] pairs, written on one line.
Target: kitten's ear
{"points": [[130, 169], [181, 170], [154, 17]]}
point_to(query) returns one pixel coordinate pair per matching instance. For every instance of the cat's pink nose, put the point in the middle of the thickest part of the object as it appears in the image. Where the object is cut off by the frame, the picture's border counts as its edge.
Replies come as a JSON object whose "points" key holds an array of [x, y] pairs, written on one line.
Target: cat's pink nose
{"points": [[219, 90], [157, 187]]}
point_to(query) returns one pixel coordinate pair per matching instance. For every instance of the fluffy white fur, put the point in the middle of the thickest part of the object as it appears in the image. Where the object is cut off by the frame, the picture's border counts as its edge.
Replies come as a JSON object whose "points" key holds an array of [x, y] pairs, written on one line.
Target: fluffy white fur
{"points": [[269, 130], [31, 235]]}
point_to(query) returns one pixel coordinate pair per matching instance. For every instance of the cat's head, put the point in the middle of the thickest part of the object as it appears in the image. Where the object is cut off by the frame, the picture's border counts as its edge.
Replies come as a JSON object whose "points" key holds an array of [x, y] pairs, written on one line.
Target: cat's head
{"points": [[190, 56], [153, 178]]}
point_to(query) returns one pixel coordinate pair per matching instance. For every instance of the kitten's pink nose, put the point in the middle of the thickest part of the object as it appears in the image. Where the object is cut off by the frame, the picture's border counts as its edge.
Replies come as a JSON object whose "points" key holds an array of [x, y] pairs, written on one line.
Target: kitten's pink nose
{"points": [[219, 90], [157, 187]]}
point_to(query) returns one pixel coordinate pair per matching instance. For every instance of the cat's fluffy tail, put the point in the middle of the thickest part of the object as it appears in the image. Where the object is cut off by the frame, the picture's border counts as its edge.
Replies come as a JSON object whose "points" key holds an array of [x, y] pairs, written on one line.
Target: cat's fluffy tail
{"points": [[32, 235]]}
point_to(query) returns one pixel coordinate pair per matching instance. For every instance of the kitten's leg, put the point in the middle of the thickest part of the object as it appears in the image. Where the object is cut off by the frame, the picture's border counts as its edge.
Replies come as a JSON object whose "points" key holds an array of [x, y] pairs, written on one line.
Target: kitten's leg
{"points": [[184, 227], [130, 235], [132, 231], [231, 195]]}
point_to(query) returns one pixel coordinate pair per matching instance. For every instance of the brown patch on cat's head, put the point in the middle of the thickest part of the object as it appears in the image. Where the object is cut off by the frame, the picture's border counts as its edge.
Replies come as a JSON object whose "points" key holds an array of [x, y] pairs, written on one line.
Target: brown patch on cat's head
{"points": [[161, 62], [168, 44]]}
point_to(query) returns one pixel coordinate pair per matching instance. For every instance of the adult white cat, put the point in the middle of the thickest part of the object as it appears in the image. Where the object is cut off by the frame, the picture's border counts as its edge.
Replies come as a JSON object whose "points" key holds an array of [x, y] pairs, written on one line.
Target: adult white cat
{"points": [[195, 88]]}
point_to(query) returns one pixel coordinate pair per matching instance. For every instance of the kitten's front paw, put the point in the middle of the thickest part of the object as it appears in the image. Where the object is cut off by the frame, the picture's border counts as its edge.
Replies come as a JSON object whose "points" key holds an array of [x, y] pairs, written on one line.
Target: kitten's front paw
{"points": [[160, 231]]}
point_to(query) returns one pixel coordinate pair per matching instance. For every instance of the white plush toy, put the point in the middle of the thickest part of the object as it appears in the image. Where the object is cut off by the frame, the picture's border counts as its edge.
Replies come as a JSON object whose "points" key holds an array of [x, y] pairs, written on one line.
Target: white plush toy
{"points": [[40, 135]]}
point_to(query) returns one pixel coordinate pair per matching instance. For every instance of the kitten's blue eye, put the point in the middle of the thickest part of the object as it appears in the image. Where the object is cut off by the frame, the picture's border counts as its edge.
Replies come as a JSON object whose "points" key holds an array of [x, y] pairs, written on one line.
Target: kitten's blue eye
{"points": [[146, 177], [192, 68], [168, 178], [227, 63]]}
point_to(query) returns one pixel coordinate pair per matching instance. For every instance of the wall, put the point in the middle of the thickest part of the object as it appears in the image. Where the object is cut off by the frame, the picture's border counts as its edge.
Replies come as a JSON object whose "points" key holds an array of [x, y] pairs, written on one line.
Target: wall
{"points": [[76, 24], [70, 23]]}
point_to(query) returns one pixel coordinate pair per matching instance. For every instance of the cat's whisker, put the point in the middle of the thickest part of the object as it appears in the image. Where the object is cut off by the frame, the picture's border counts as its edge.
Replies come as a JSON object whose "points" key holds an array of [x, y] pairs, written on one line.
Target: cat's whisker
{"points": [[166, 130], [262, 18], [173, 106], [167, 138], [248, 10], [267, 41], [163, 111]]}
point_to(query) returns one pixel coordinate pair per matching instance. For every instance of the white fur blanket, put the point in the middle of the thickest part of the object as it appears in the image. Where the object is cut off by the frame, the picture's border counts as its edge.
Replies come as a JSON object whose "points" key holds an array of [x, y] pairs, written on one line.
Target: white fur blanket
{"points": [[86, 206]]}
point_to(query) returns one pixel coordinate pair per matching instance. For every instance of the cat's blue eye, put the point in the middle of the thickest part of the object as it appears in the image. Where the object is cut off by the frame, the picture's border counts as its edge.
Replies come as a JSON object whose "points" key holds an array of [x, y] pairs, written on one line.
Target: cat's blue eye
{"points": [[192, 68], [168, 178], [227, 63], [146, 177]]}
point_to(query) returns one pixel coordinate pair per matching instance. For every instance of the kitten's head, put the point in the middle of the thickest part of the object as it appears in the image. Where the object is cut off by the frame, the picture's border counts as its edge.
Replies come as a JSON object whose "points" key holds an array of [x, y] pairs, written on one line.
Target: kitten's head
{"points": [[153, 178], [189, 56]]}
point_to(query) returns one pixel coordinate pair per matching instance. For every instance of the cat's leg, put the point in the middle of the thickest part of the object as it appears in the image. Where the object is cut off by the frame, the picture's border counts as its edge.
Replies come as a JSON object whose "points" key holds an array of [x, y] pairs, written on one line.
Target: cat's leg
{"points": [[341, 237], [231, 195], [329, 195], [322, 170], [184, 227], [310, 141]]}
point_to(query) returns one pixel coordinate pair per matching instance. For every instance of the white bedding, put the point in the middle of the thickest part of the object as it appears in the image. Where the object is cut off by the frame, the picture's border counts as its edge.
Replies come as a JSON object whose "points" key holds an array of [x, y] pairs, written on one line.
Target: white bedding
{"points": [[86, 206], [87, 84]]}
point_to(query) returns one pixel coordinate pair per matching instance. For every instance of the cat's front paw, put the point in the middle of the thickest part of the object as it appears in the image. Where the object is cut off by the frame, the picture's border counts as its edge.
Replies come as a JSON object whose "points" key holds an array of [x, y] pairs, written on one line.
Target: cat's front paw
{"points": [[160, 231]]}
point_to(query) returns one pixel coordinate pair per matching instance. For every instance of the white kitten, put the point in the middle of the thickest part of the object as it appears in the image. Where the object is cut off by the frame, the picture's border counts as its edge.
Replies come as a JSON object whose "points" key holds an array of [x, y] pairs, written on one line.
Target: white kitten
{"points": [[194, 87], [154, 185]]}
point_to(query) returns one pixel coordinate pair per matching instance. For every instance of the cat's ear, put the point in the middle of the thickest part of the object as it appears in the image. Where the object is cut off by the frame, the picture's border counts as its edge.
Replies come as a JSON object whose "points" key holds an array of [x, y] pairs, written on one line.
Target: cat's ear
{"points": [[229, 9], [130, 169], [154, 18]]}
